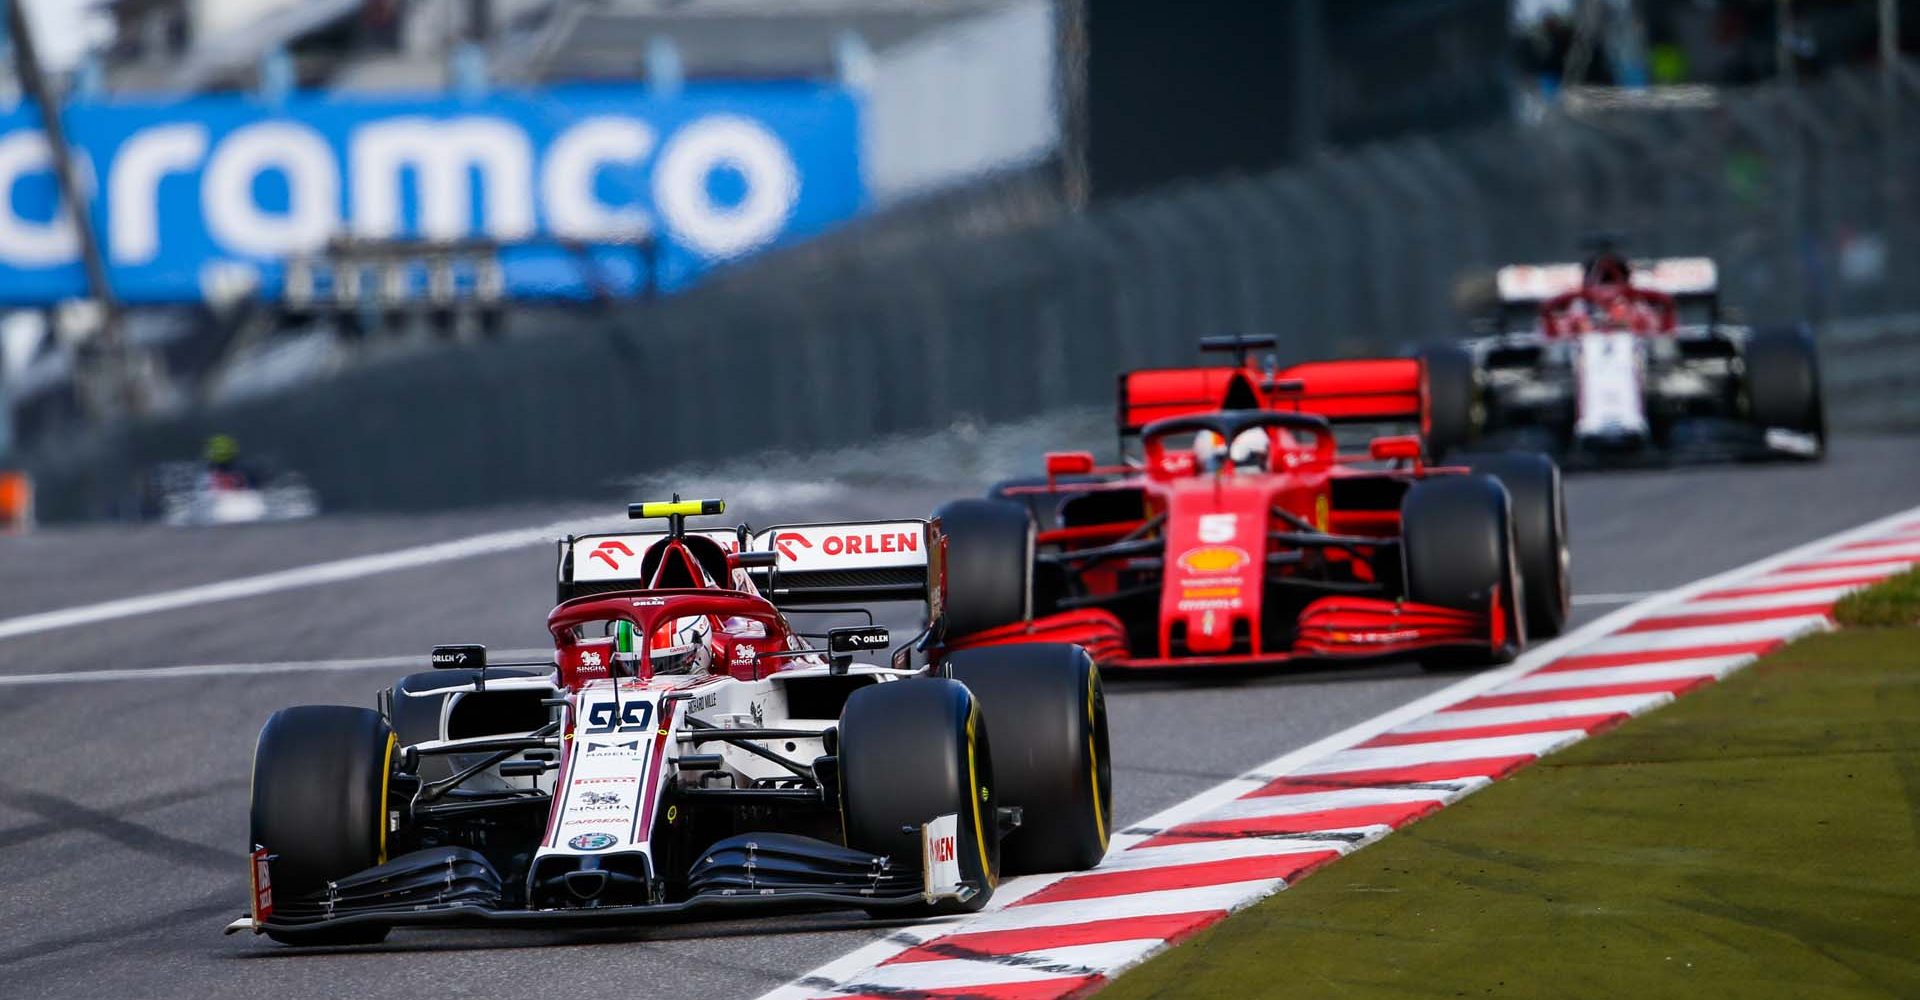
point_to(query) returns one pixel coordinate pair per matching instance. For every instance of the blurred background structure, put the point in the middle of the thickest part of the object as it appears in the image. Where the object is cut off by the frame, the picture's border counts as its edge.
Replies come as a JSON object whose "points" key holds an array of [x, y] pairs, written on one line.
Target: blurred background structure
{"points": [[462, 251]]}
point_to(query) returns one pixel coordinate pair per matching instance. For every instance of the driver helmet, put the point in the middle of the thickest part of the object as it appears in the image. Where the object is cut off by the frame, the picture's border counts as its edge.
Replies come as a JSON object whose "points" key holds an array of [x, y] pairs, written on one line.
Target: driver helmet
{"points": [[221, 449], [683, 646], [1620, 312], [1608, 271], [1250, 449], [1209, 450]]}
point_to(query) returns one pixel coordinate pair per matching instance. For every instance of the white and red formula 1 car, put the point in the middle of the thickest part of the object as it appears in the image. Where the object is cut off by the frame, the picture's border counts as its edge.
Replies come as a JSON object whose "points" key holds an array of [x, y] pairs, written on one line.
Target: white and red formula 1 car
{"points": [[688, 751]]}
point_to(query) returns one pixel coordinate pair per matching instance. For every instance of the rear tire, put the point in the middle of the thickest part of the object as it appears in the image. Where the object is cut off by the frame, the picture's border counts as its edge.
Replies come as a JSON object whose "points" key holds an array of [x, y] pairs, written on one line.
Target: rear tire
{"points": [[1045, 507], [1045, 707], [1458, 552], [1449, 421], [1783, 383], [989, 564], [320, 777], [911, 751], [1538, 508]]}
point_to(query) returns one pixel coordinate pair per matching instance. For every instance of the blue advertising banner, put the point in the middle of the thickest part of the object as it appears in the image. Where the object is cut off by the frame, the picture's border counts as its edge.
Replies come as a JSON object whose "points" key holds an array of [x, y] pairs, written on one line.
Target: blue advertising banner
{"points": [[192, 193]]}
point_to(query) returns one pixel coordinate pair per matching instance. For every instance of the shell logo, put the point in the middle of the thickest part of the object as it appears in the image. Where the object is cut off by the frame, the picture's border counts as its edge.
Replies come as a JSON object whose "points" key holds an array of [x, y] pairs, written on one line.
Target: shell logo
{"points": [[1214, 559]]}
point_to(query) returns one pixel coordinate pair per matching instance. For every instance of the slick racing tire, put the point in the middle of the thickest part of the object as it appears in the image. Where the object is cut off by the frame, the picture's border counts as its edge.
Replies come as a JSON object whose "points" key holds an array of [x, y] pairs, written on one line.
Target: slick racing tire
{"points": [[1045, 507], [319, 807], [1458, 548], [1044, 706], [1449, 421], [1783, 383], [989, 564], [912, 751], [1538, 506]]}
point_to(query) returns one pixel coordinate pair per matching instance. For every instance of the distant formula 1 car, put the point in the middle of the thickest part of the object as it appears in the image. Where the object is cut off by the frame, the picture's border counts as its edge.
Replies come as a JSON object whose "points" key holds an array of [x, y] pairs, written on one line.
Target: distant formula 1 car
{"points": [[1241, 535], [188, 494], [685, 753], [1597, 364]]}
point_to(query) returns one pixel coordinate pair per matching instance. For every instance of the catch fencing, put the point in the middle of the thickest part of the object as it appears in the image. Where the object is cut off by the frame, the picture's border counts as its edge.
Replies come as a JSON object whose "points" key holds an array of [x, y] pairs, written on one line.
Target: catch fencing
{"points": [[1802, 194]]}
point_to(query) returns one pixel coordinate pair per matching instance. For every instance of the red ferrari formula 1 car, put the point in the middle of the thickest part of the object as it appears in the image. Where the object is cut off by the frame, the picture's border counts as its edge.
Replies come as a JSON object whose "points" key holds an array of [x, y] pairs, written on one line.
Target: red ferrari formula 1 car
{"points": [[1240, 533]]}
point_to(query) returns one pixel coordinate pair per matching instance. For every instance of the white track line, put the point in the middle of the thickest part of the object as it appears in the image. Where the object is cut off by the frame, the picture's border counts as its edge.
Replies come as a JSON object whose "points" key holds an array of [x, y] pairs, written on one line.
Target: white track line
{"points": [[1347, 798], [241, 669], [846, 973], [1235, 849], [1761, 602], [1668, 670], [1056, 963], [1409, 754], [1699, 636], [1830, 569], [293, 579], [1199, 899], [1879, 571], [1467, 718]]}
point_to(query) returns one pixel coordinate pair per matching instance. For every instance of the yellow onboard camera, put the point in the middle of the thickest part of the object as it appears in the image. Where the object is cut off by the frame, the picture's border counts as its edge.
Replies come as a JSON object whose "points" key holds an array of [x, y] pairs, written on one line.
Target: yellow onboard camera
{"points": [[676, 508]]}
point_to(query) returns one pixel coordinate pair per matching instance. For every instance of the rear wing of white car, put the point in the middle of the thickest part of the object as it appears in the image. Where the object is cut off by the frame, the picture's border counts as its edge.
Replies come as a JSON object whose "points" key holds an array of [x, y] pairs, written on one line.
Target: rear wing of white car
{"points": [[825, 563], [1680, 277]]}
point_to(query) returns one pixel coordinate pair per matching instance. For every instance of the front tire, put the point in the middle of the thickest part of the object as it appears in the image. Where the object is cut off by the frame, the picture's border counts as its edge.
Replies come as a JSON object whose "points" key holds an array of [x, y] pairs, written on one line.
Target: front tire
{"points": [[1458, 552], [319, 806], [1538, 506], [1045, 707], [912, 751], [1783, 383]]}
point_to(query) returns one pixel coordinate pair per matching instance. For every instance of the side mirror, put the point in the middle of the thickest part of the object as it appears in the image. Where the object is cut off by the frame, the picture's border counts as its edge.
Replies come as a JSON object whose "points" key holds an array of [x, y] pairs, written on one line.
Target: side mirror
{"points": [[1069, 463], [842, 643], [1404, 446], [858, 639], [461, 657]]}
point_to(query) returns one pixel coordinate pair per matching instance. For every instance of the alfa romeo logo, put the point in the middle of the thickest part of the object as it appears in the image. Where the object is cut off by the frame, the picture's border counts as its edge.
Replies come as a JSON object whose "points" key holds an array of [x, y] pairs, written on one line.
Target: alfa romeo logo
{"points": [[592, 842]]}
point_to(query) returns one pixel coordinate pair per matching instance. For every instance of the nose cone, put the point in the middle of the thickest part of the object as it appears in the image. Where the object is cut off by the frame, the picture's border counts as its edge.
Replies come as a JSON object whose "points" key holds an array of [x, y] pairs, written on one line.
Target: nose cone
{"points": [[1209, 631], [1216, 545], [586, 885]]}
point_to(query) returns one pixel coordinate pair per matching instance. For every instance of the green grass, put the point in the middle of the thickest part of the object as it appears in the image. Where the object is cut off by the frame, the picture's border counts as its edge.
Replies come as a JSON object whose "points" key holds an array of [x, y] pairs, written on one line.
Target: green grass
{"points": [[1891, 602], [1759, 839]]}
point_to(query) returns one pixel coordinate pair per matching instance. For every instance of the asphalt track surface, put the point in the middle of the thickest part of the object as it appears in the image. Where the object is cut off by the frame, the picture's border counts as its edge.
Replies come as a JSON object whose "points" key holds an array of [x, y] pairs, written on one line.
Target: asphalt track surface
{"points": [[123, 806]]}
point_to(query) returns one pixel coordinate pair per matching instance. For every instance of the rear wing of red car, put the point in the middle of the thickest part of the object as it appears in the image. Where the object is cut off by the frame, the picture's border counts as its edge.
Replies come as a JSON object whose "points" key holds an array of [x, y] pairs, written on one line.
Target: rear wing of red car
{"points": [[1370, 390], [1151, 394]]}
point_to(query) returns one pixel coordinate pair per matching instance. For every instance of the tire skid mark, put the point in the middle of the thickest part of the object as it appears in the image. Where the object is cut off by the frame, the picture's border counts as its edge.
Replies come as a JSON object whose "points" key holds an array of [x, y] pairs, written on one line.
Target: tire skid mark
{"points": [[70, 815]]}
